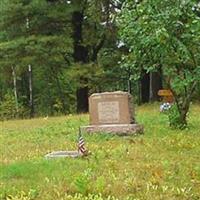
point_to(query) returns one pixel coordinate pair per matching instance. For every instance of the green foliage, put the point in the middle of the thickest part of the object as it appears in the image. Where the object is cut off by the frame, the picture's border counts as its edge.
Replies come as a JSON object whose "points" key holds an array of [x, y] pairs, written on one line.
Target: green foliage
{"points": [[42, 34], [174, 117], [164, 34], [38, 36], [8, 108], [82, 182]]}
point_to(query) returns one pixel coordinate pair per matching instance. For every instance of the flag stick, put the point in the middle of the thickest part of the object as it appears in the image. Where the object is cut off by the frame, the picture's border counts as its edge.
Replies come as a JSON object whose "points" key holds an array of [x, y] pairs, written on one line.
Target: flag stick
{"points": [[78, 138]]}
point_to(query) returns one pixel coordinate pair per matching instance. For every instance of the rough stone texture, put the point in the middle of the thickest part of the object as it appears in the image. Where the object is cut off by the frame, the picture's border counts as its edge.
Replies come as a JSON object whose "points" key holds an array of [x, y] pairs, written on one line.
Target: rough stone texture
{"points": [[113, 113], [111, 108], [119, 129]]}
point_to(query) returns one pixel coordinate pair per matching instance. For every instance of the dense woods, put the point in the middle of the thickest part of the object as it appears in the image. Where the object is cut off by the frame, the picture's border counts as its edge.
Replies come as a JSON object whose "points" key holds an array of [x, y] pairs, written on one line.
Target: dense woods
{"points": [[55, 53]]}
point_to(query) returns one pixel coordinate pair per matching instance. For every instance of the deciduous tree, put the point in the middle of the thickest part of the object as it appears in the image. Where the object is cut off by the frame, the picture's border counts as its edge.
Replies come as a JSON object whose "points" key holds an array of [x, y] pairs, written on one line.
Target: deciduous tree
{"points": [[165, 33]]}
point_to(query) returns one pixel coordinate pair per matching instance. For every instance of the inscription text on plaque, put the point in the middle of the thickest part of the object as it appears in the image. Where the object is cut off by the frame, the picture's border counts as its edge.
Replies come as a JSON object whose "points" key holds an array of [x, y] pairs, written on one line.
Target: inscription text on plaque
{"points": [[108, 112]]}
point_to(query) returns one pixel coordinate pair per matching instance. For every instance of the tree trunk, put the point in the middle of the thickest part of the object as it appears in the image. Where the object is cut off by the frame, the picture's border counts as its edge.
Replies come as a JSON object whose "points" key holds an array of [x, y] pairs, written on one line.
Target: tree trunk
{"points": [[82, 100], [15, 88], [129, 86], [145, 88], [31, 105], [150, 84], [183, 119], [183, 113], [178, 117], [80, 55], [60, 90], [155, 85], [139, 94]]}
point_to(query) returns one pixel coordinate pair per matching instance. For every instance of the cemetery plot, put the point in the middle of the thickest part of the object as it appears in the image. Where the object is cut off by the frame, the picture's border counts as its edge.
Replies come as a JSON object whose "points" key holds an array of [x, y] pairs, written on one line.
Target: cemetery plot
{"points": [[161, 163]]}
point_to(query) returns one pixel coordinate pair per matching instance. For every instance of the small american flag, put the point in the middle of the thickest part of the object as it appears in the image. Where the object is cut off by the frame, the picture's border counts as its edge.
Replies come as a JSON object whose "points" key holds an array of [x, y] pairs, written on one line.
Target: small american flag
{"points": [[81, 144]]}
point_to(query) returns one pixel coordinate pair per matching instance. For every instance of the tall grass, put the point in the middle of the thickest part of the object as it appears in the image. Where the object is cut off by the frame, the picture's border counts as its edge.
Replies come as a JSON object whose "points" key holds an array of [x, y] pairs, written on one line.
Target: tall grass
{"points": [[163, 163]]}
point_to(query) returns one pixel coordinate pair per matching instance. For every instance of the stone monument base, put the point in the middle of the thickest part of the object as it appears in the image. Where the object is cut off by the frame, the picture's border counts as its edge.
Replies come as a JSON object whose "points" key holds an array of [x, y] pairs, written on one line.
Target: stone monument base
{"points": [[118, 129]]}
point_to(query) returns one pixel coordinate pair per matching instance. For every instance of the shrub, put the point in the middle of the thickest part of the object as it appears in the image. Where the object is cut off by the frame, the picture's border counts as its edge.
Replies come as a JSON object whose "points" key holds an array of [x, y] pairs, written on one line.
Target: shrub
{"points": [[174, 117], [8, 108]]}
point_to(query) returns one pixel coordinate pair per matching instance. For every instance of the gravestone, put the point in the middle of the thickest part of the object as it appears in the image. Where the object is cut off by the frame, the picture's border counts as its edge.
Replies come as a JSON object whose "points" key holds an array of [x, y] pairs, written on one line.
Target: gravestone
{"points": [[63, 154], [112, 112]]}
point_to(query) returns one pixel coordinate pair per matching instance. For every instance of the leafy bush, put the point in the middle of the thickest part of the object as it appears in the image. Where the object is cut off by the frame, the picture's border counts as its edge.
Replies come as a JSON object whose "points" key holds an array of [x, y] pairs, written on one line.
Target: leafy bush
{"points": [[8, 108], [174, 117]]}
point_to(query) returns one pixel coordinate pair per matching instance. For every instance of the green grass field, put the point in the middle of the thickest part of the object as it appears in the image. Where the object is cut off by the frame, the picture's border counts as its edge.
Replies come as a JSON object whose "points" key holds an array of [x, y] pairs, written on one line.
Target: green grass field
{"points": [[161, 164]]}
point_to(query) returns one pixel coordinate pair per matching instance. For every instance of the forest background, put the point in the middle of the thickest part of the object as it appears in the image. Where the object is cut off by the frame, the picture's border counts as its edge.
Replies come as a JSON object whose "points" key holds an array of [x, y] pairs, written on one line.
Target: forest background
{"points": [[55, 53]]}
